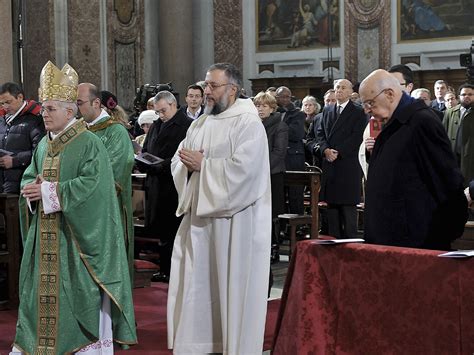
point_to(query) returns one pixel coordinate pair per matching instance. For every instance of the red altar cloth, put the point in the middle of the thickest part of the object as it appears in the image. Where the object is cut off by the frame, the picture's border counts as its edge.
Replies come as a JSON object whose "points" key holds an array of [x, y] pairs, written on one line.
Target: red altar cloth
{"points": [[371, 299]]}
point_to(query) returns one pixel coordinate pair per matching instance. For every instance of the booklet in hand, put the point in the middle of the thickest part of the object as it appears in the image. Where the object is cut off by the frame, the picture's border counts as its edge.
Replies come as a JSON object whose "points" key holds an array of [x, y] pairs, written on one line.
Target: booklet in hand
{"points": [[148, 158], [339, 241], [458, 254], [4, 152]]}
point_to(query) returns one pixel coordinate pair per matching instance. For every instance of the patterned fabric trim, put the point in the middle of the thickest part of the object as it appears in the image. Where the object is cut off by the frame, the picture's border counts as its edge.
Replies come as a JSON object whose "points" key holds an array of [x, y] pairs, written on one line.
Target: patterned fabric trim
{"points": [[49, 267], [103, 125], [55, 146]]}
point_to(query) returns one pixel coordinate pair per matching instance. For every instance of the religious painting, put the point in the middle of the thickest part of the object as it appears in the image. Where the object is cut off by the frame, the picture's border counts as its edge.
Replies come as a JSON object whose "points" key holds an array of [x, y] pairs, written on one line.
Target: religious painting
{"points": [[434, 19], [297, 24]]}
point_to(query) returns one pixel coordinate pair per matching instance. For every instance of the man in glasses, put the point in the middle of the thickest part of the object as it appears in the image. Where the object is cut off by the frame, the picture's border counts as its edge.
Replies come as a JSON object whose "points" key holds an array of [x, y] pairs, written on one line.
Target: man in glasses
{"points": [[119, 146], [161, 198], [414, 195], [464, 147], [404, 75], [75, 292], [217, 296]]}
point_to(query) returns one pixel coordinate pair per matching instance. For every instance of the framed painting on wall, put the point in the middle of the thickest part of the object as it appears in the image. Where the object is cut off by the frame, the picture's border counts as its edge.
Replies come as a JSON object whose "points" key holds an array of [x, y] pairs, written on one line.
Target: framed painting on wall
{"points": [[434, 19], [296, 24]]}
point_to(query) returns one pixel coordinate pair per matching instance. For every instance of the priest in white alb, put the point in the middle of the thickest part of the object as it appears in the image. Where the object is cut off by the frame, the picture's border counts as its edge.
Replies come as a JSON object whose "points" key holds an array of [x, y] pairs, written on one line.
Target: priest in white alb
{"points": [[217, 299]]}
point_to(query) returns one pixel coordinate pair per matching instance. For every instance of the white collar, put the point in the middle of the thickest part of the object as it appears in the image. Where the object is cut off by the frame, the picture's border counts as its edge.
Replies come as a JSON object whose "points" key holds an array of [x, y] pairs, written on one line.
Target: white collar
{"points": [[103, 114], [12, 117], [343, 105], [52, 136]]}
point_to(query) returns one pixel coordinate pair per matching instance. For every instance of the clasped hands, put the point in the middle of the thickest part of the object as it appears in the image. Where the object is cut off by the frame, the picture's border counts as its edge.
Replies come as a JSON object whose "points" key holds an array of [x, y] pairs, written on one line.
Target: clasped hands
{"points": [[191, 158], [32, 191], [6, 162], [331, 154]]}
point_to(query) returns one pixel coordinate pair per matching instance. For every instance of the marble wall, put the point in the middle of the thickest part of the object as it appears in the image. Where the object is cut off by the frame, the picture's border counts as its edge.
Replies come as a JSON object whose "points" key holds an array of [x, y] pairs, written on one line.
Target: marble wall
{"points": [[6, 55], [228, 38]]}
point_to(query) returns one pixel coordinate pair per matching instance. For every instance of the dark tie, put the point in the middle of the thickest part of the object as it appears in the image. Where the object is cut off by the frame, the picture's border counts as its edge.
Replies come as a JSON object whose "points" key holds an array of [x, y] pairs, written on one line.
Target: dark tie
{"points": [[339, 110]]}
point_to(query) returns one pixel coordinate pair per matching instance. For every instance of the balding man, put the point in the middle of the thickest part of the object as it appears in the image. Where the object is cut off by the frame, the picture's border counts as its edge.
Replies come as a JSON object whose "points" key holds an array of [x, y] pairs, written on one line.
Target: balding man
{"points": [[295, 157], [414, 195], [339, 136]]}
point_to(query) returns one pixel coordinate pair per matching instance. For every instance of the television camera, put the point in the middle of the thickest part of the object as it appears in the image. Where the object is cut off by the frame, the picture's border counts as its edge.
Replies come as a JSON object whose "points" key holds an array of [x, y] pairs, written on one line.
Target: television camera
{"points": [[466, 60]]}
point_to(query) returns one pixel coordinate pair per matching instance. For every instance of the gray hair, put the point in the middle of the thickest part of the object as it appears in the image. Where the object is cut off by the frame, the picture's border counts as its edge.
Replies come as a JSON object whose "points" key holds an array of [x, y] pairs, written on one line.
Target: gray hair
{"points": [[312, 100], [440, 82], [68, 105], [416, 93], [231, 72], [165, 95]]}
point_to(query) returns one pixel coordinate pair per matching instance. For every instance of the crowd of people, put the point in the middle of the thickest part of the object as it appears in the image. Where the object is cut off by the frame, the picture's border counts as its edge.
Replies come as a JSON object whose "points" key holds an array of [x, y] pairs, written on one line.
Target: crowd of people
{"points": [[215, 195]]}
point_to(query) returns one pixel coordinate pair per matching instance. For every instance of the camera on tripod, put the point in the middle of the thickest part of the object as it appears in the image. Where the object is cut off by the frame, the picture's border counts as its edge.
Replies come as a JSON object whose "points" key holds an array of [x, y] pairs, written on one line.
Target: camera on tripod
{"points": [[147, 91], [466, 60]]}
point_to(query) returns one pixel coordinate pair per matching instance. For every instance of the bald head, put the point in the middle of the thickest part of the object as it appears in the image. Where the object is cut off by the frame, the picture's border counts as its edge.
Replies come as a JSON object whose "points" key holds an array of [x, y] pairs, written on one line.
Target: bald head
{"points": [[88, 101], [283, 96], [380, 94]]}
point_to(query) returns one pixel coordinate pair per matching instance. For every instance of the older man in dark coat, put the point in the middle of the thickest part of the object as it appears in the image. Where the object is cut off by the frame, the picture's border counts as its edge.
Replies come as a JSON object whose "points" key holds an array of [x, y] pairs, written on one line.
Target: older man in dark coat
{"points": [[414, 195], [161, 198], [339, 137]]}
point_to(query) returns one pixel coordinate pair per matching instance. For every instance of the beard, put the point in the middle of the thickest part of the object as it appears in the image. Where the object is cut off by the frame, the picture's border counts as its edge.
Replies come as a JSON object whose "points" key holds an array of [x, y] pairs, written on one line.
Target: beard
{"points": [[218, 107]]}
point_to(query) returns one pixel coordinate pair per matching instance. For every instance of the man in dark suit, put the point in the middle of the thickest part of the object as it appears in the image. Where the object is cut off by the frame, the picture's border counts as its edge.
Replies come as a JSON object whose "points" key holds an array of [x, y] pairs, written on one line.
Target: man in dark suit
{"points": [[414, 195], [339, 138], [194, 99], [440, 89], [295, 158], [161, 198]]}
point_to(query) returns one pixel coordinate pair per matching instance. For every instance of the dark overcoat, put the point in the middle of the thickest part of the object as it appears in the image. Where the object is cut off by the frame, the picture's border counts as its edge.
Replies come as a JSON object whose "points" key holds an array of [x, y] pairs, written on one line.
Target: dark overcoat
{"points": [[161, 198], [20, 136], [414, 195], [341, 179]]}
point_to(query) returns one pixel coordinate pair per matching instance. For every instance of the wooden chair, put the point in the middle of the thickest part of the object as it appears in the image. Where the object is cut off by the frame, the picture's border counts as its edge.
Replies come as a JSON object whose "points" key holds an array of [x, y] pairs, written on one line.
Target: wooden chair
{"points": [[10, 256], [311, 179]]}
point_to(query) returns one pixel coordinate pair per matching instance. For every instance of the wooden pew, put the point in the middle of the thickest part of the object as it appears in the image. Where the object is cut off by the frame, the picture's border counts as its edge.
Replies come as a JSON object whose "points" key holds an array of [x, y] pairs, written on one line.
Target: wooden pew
{"points": [[312, 180], [10, 237]]}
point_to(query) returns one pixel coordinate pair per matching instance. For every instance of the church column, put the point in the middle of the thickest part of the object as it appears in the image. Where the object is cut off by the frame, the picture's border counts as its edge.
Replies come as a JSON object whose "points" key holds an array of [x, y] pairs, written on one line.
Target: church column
{"points": [[6, 42], [176, 46], [151, 72]]}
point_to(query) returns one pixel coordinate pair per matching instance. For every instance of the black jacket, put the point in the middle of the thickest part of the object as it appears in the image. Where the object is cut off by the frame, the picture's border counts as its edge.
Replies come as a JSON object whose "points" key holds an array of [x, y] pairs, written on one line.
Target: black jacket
{"points": [[277, 134], [163, 140], [295, 120], [20, 136], [341, 179], [414, 195]]}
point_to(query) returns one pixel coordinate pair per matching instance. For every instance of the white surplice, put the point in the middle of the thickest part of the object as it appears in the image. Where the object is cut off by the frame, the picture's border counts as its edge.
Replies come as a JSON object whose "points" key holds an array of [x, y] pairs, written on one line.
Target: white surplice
{"points": [[217, 298]]}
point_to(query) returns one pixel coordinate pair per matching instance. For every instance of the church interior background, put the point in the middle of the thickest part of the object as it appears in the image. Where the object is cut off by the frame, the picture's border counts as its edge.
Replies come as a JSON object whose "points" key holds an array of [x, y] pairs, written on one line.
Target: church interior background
{"points": [[303, 44]]}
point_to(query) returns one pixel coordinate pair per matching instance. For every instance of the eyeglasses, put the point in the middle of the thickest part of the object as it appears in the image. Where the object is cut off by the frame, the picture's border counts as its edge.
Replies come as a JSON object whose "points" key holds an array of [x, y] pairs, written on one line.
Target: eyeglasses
{"points": [[367, 105], [404, 84], [213, 86], [48, 109], [80, 102]]}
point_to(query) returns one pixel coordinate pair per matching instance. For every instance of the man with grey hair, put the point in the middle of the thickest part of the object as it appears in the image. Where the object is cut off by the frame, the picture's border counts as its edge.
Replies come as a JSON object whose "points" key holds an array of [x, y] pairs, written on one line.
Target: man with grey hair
{"points": [[217, 296], [161, 198], [76, 295], [339, 136], [414, 195]]}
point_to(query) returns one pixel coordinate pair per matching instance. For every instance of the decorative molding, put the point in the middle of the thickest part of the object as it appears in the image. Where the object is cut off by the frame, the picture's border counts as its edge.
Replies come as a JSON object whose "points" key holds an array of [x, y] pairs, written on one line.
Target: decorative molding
{"points": [[228, 42], [125, 38], [367, 15], [124, 10]]}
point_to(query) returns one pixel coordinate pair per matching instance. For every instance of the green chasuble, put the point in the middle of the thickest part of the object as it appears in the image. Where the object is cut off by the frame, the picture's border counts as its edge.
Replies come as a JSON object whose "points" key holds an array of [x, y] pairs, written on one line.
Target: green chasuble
{"points": [[72, 256], [119, 146]]}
